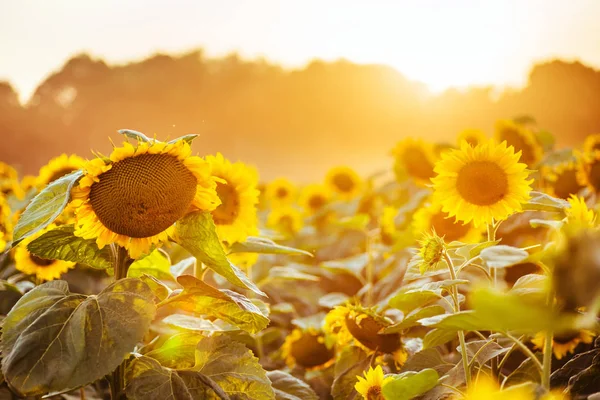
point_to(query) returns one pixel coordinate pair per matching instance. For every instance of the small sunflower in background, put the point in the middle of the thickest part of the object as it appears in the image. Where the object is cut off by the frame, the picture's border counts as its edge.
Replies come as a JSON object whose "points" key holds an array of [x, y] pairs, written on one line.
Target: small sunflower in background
{"points": [[43, 269], [564, 344], [363, 326], [588, 171], [387, 225], [135, 197], [235, 218], [431, 218], [481, 184], [371, 385], [314, 197], [280, 192], [430, 252], [561, 180], [9, 182], [57, 168], [473, 137], [521, 139], [486, 388], [5, 224], [344, 182], [579, 215], [286, 220], [307, 348], [414, 158], [591, 143]]}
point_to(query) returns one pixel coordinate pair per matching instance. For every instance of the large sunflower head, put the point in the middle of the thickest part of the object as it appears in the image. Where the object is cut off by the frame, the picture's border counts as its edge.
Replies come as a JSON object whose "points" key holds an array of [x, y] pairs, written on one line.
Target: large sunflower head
{"points": [[415, 158], [134, 197], [592, 143], [314, 197], [57, 168], [286, 220], [588, 171], [561, 180], [308, 349], [280, 192], [363, 326], [370, 386], [431, 218], [344, 181], [564, 344], [481, 184], [521, 139], [473, 137], [235, 218], [43, 269]]}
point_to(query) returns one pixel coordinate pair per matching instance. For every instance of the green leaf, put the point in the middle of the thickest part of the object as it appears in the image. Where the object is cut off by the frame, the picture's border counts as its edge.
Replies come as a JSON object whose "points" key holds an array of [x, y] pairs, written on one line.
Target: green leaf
{"points": [[160, 290], [542, 202], [139, 136], [267, 246], [156, 264], [62, 244], [484, 354], [534, 286], [463, 320], [546, 223], [233, 367], [196, 233], [45, 207], [201, 298], [413, 318], [190, 323], [288, 387], [53, 340], [290, 273], [410, 384], [468, 251], [408, 301], [178, 351], [352, 362], [502, 256], [186, 138], [428, 358]]}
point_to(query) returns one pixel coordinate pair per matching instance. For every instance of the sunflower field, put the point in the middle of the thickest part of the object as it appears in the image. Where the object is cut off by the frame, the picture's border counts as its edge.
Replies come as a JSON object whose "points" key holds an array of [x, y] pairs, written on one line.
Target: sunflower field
{"points": [[464, 271]]}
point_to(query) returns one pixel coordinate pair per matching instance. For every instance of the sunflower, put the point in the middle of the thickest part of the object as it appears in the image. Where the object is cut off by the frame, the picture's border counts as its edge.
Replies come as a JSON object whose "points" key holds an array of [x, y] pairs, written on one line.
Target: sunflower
{"points": [[370, 386], [522, 139], [286, 220], [387, 225], [57, 168], [344, 181], [280, 192], [243, 260], [135, 197], [472, 136], [363, 326], [579, 215], [308, 349], [43, 269], [481, 184], [235, 218], [314, 197], [431, 218], [415, 158], [9, 182], [561, 179], [5, 224], [588, 171], [486, 388], [565, 344], [592, 143], [431, 251]]}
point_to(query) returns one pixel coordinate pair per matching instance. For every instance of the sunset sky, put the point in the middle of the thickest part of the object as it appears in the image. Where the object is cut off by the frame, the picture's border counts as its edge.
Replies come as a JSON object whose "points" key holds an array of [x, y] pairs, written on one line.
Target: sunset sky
{"points": [[439, 42]]}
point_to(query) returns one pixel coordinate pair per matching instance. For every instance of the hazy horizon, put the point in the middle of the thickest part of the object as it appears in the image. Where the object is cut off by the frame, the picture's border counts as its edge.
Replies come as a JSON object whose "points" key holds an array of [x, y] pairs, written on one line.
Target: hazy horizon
{"points": [[440, 45]]}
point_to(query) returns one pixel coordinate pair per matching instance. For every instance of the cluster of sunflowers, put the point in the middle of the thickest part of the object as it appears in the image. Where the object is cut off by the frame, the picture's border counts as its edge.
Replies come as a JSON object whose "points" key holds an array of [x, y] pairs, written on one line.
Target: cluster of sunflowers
{"points": [[470, 272]]}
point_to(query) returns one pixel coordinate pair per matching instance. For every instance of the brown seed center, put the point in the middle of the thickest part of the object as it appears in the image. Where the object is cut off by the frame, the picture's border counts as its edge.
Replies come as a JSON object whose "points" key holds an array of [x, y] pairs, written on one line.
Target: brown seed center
{"points": [[309, 352], [316, 201], [515, 139], [144, 195], [366, 332], [594, 176], [343, 182], [447, 228], [566, 184], [482, 183]]}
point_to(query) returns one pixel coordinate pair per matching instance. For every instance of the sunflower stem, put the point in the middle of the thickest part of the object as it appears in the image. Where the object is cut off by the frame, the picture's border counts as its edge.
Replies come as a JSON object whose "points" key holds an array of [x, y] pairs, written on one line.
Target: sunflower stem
{"points": [[369, 246], [491, 237], [461, 334], [547, 353]]}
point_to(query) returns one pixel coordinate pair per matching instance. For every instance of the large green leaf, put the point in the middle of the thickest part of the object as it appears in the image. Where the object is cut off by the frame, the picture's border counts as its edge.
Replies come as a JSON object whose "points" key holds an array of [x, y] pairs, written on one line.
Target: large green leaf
{"points": [[542, 202], [412, 319], [191, 323], [62, 244], [267, 246], [53, 340], [288, 387], [201, 298], [502, 256], [410, 384], [45, 207], [156, 264], [437, 337], [196, 232], [412, 299]]}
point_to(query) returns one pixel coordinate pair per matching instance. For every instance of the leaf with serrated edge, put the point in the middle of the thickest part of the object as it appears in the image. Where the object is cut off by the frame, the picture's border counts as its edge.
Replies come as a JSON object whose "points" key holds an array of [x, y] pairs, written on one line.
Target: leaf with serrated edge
{"points": [[62, 244], [196, 232], [288, 387], [46, 206], [53, 340], [201, 298], [267, 246]]}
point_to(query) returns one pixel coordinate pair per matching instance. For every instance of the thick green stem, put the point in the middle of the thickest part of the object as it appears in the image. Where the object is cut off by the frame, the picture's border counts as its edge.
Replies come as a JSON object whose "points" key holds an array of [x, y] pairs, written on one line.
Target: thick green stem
{"points": [[491, 236], [548, 338], [461, 334]]}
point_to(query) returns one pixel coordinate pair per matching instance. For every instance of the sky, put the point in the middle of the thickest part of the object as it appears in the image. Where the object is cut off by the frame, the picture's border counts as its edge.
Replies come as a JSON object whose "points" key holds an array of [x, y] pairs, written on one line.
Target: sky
{"points": [[441, 43]]}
